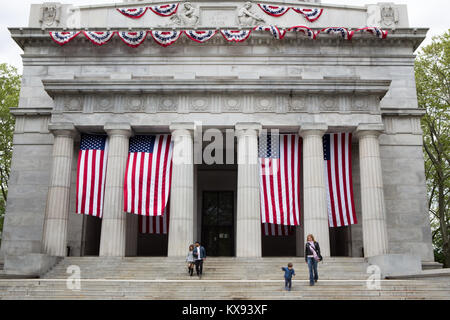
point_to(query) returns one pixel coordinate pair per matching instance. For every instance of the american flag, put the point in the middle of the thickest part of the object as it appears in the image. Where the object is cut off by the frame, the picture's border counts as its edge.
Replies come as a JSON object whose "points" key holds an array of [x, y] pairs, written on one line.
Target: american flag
{"points": [[155, 224], [270, 229], [148, 175], [91, 174], [279, 158], [337, 152]]}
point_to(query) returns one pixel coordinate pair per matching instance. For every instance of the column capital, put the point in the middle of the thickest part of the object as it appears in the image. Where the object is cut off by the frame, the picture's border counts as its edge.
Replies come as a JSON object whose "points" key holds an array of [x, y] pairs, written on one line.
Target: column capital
{"points": [[118, 128], [182, 128], [247, 127], [63, 129], [369, 129], [312, 128]]}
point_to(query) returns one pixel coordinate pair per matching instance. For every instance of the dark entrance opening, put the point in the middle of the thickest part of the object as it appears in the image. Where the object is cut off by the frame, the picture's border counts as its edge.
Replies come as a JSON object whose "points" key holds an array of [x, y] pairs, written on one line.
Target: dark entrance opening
{"points": [[340, 242], [91, 236], [218, 223]]}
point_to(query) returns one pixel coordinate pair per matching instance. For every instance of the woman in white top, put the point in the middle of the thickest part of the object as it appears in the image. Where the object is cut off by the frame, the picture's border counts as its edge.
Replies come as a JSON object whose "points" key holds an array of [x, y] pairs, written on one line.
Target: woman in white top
{"points": [[190, 260]]}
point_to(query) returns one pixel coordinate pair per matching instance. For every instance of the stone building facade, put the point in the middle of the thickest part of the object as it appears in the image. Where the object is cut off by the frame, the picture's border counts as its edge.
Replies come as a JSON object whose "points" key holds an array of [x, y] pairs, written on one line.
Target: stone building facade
{"points": [[297, 85]]}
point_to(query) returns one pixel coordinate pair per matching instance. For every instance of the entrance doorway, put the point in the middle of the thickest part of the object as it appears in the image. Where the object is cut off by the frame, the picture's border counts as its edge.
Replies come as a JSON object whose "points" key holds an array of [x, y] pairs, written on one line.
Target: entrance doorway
{"points": [[218, 223]]}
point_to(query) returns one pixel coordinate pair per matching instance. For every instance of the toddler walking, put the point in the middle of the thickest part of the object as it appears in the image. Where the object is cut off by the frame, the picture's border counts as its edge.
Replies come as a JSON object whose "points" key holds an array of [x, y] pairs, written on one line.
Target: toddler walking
{"points": [[288, 273]]}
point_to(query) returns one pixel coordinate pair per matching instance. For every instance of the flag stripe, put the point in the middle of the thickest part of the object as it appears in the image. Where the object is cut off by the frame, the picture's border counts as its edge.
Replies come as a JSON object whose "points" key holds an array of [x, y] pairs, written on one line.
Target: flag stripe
{"points": [[338, 176], [271, 229], [279, 159], [91, 169], [155, 224], [148, 178]]}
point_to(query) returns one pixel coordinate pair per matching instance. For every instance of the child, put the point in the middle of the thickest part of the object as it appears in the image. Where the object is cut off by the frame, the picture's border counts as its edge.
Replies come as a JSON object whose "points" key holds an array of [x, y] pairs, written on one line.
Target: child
{"points": [[288, 273], [190, 260]]}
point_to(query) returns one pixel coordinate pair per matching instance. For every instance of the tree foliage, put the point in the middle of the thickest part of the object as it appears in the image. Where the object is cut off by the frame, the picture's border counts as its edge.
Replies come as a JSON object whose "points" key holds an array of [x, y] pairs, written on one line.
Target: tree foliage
{"points": [[432, 69], [9, 98]]}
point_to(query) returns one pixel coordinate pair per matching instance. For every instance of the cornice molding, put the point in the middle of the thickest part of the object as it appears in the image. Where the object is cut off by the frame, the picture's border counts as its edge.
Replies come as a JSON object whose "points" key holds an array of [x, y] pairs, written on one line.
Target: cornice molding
{"points": [[55, 87], [40, 36]]}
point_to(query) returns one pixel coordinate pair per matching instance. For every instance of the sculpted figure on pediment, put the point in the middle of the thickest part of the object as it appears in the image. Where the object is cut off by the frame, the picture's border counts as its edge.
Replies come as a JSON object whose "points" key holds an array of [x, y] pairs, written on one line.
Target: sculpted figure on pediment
{"points": [[248, 18], [187, 15]]}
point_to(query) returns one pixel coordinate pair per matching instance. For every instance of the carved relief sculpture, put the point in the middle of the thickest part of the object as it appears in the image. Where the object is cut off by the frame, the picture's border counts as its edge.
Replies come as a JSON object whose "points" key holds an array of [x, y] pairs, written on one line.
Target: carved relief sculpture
{"points": [[389, 15], [50, 14], [187, 15], [246, 17]]}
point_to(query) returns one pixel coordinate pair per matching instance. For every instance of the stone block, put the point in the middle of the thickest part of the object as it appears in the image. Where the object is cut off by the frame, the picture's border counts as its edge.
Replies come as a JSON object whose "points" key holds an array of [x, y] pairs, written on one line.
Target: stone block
{"points": [[32, 264], [396, 264]]}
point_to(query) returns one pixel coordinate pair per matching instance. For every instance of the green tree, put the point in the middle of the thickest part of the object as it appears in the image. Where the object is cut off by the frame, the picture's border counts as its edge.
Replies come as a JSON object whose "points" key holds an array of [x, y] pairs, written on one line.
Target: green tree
{"points": [[432, 69], [9, 98]]}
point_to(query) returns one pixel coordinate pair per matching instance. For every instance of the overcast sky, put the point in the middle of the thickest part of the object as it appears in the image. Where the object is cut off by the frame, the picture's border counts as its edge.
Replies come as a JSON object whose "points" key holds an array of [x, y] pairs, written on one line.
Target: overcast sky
{"points": [[433, 14]]}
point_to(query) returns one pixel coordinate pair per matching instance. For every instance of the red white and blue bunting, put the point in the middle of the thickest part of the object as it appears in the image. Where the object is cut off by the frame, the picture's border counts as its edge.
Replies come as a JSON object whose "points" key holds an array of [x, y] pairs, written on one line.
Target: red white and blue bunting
{"points": [[134, 13], [307, 32], [132, 39], [235, 35], [62, 38], [200, 36], [165, 10], [276, 32], [310, 14], [165, 38], [99, 38], [342, 32], [274, 11], [377, 32]]}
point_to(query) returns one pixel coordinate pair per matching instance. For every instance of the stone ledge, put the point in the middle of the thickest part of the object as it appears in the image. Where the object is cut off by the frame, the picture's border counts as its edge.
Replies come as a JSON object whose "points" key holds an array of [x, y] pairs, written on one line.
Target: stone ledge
{"points": [[396, 264], [428, 274], [32, 264]]}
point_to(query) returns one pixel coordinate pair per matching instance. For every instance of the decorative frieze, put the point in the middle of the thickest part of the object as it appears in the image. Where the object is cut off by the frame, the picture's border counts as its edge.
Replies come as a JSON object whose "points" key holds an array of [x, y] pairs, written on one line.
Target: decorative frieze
{"points": [[216, 103]]}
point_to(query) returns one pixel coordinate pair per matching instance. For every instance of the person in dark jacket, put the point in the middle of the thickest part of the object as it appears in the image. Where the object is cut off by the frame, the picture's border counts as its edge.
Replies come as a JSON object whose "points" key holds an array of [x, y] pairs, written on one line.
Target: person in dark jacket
{"points": [[288, 273], [199, 256], [312, 256]]}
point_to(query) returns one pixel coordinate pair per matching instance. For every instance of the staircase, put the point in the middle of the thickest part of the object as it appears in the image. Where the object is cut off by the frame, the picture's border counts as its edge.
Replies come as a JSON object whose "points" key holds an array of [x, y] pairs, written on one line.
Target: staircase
{"points": [[223, 278]]}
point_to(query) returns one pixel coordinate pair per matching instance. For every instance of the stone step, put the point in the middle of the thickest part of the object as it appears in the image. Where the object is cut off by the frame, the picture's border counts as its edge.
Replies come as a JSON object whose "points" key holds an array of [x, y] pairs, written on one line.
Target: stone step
{"points": [[218, 284], [282, 294], [224, 278]]}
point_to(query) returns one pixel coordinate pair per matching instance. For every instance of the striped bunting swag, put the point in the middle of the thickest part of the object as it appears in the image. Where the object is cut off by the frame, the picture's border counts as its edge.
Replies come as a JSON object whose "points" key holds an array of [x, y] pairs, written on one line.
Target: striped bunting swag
{"points": [[342, 32], [165, 38], [200, 36], [62, 38], [99, 38], [279, 163], [91, 173], [134, 13], [132, 39], [377, 32], [274, 11], [307, 32], [337, 151], [235, 35], [270, 229], [310, 14], [155, 225], [276, 32], [165, 10], [148, 175]]}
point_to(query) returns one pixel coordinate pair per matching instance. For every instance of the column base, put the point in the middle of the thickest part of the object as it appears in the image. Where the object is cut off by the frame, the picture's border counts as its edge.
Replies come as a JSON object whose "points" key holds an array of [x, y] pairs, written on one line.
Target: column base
{"points": [[30, 265], [396, 264]]}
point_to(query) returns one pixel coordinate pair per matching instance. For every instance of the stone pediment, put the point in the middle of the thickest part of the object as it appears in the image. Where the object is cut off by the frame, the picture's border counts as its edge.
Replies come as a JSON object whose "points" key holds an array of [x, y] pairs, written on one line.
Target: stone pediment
{"points": [[214, 14]]}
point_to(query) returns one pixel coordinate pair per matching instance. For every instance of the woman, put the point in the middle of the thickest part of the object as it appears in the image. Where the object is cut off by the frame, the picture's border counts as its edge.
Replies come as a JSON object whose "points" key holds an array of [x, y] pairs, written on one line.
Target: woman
{"points": [[312, 256], [190, 260]]}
